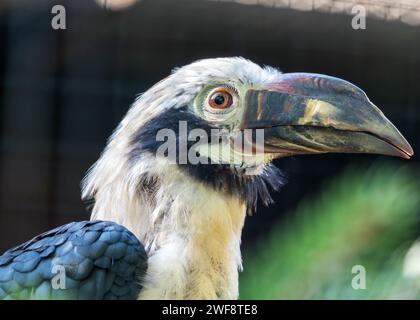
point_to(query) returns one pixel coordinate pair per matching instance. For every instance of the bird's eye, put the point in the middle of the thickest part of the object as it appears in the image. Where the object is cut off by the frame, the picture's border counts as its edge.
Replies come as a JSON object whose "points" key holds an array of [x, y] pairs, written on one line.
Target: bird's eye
{"points": [[220, 99]]}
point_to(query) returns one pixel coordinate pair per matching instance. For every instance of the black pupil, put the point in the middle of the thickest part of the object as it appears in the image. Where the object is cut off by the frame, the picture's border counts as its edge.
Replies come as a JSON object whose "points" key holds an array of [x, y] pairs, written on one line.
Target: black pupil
{"points": [[219, 100]]}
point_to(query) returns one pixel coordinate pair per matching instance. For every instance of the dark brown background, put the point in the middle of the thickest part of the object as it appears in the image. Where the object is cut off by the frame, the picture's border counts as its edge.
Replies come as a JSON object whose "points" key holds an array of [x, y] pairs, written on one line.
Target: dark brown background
{"points": [[63, 92]]}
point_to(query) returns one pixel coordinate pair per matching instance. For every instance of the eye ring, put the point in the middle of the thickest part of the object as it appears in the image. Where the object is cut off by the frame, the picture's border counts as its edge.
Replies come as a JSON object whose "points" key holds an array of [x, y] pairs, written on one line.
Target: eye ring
{"points": [[220, 99]]}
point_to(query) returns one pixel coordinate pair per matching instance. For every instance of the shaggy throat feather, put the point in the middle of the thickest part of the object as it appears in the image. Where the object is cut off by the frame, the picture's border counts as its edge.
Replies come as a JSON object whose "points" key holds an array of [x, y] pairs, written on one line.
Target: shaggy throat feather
{"points": [[193, 242]]}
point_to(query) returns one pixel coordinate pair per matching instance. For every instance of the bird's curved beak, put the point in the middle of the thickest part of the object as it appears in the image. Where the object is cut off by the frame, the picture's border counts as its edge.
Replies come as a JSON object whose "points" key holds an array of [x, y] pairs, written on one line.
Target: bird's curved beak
{"points": [[305, 113]]}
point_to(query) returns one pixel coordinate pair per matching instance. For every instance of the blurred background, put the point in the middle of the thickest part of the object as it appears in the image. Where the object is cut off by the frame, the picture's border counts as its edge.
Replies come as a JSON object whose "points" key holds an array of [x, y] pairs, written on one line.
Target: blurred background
{"points": [[62, 92]]}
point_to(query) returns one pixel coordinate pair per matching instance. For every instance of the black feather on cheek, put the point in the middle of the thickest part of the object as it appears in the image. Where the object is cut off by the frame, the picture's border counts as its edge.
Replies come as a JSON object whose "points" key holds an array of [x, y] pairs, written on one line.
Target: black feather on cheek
{"points": [[221, 177]]}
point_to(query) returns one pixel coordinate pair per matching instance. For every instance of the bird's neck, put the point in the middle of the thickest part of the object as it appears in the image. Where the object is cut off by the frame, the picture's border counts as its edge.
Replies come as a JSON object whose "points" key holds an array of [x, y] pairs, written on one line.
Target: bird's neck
{"points": [[195, 254], [191, 233]]}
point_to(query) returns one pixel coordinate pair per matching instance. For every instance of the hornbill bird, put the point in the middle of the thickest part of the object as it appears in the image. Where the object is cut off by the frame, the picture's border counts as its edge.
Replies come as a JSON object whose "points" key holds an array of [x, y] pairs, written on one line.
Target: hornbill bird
{"points": [[162, 228]]}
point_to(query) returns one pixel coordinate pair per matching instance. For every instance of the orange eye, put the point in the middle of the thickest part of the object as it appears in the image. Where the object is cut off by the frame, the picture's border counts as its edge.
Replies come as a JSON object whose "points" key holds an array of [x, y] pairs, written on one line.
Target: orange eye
{"points": [[220, 99]]}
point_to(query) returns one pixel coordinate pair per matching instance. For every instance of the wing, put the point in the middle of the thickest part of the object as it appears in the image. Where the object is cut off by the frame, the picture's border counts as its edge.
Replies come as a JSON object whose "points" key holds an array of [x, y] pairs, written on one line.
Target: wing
{"points": [[80, 260]]}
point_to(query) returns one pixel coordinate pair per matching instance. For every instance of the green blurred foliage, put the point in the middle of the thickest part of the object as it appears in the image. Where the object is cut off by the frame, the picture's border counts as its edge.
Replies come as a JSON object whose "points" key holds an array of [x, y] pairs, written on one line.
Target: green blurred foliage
{"points": [[366, 217]]}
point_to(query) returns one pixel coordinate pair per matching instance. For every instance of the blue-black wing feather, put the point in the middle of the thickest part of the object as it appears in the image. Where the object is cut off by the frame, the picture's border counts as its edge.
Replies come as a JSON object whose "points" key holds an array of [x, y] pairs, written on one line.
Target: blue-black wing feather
{"points": [[80, 260]]}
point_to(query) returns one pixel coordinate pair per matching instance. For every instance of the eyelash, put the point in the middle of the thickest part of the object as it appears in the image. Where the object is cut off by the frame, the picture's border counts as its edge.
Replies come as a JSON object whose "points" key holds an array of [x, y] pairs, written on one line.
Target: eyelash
{"points": [[231, 88]]}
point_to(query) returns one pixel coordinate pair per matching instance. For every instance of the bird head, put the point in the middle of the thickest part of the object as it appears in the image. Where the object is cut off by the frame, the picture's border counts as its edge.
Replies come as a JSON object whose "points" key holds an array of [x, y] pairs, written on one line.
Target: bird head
{"points": [[222, 121]]}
